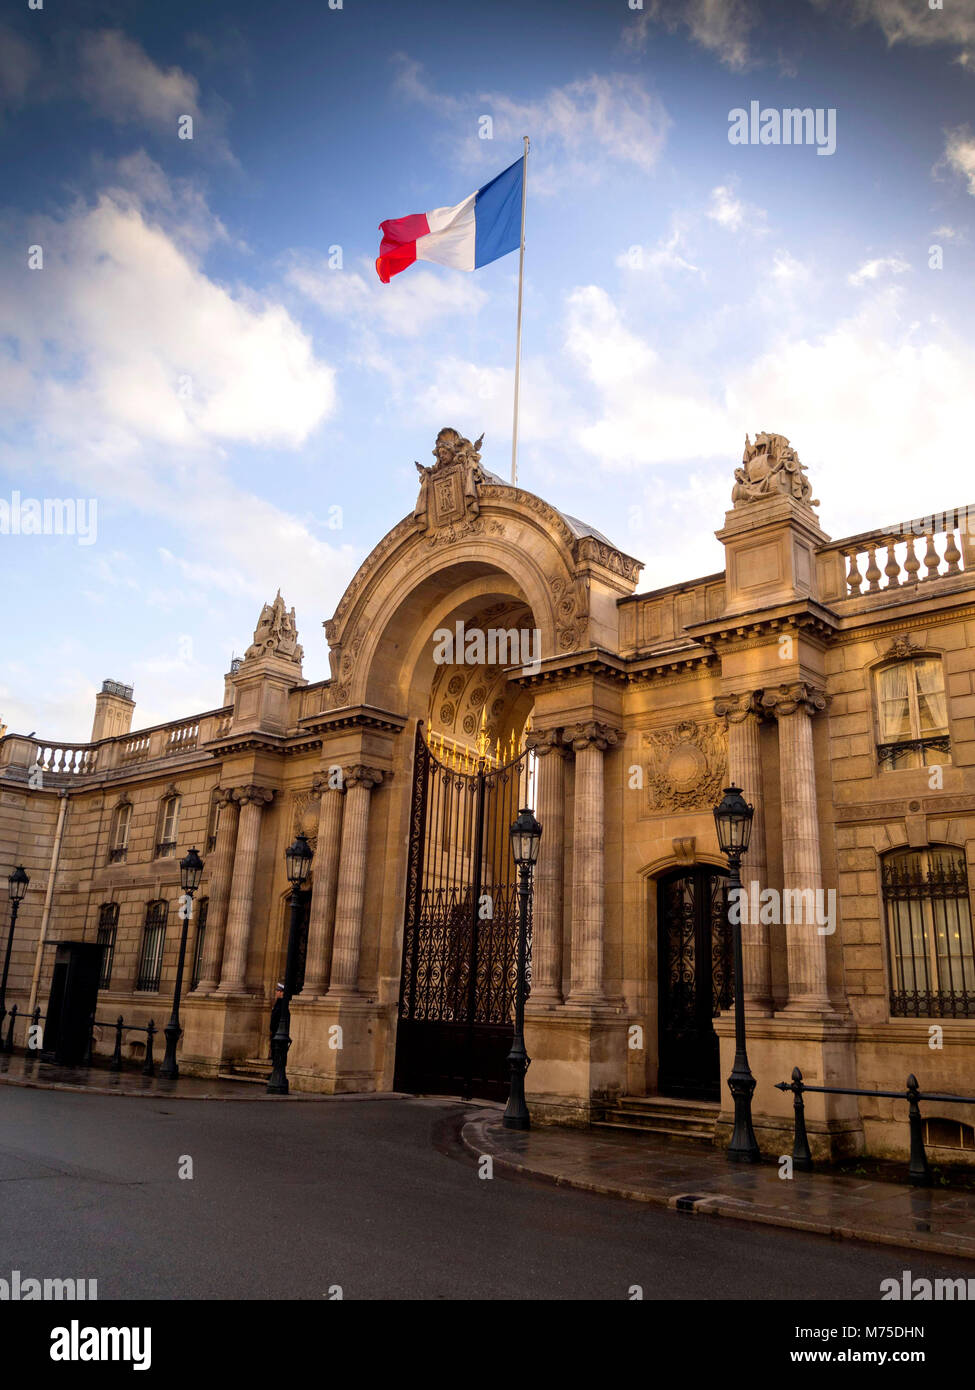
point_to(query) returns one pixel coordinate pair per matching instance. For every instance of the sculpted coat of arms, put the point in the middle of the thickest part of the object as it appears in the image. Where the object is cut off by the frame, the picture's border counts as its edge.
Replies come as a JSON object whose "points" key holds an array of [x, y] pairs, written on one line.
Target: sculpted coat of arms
{"points": [[448, 489], [687, 766], [769, 467]]}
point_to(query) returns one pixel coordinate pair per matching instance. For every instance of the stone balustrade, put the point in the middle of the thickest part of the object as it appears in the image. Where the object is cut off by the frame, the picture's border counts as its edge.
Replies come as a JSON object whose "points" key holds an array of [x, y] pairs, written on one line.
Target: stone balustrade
{"points": [[68, 760], [906, 555]]}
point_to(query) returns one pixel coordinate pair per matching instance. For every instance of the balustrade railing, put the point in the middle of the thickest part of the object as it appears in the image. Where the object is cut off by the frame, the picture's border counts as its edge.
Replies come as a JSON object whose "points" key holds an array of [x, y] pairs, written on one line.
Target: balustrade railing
{"points": [[906, 555], [68, 760], [182, 738], [134, 750]]}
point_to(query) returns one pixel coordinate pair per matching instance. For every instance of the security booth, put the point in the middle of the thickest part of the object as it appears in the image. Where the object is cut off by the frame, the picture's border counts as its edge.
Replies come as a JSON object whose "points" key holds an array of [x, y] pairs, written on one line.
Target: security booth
{"points": [[72, 1001]]}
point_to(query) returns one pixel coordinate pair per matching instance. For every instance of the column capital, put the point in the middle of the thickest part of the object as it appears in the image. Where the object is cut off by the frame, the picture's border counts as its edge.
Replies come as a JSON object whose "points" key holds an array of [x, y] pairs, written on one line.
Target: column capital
{"points": [[260, 796], [592, 734], [359, 775], [736, 708], [227, 796], [542, 741], [783, 700], [324, 782]]}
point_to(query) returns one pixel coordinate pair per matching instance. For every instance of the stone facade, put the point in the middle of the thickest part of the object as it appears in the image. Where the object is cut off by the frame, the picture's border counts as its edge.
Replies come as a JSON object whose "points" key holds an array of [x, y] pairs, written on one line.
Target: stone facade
{"points": [[641, 707]]}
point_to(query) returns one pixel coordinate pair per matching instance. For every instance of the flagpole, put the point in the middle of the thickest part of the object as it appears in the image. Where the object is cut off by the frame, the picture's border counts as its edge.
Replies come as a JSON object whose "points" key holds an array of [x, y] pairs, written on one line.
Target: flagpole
{"points": [[521, 289]]}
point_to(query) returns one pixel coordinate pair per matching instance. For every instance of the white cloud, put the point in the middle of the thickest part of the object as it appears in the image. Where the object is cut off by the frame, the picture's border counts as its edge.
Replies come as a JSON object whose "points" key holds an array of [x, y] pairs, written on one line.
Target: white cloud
{"points": [[726, 209], [874, 269], [407, 306], [786, 270], [915, 22], [720, 26], [661, 259], [959, 154], [615, 117]]}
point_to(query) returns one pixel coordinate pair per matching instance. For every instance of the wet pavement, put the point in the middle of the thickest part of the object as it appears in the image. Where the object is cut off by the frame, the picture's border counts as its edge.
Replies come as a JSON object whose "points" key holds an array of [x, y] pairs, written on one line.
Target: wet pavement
{"points": [[17, 1070], [693, 1178]]}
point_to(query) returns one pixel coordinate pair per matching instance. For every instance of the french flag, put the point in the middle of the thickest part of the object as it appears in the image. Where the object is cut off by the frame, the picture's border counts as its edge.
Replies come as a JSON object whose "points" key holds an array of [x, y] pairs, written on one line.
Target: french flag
{"points": [[479, 230]]}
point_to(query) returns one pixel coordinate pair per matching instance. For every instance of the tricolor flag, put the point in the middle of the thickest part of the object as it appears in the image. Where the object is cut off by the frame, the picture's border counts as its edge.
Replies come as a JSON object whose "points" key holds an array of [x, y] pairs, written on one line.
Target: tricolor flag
{"points": [[475, 232]]}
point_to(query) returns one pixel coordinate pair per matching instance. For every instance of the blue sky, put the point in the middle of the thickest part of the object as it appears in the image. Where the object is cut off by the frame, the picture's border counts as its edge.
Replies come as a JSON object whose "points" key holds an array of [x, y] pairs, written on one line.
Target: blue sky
{"points": [[246, 412]]}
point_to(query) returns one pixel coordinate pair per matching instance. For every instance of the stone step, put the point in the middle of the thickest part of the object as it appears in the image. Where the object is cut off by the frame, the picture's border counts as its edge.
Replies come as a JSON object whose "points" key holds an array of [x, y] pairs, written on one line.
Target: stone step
{"points": [[665, 1115], [253, 1069]]}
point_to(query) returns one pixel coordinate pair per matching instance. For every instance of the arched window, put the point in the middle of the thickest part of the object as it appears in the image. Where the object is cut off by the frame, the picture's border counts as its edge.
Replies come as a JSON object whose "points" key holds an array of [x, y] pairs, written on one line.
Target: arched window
{"points": [[202, 907], [153, 940], [119, 839], [929, 926], [168, 826], [107, 927], [912, 714]]}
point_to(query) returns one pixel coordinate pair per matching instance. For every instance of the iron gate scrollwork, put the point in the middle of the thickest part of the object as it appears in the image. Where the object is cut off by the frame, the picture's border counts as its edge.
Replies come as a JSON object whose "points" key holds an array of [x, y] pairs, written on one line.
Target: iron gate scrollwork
{"points": [[696, 980], [460, 940]]}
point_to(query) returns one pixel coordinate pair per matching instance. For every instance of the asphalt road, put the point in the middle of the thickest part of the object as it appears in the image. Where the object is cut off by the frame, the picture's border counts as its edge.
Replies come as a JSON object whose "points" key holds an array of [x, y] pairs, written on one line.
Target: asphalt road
{"points": [[373, 1195]]}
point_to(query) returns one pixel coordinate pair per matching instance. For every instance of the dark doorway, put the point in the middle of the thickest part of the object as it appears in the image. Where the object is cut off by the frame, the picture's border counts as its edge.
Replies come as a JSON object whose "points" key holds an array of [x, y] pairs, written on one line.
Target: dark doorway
{"points": [[696, 980]]}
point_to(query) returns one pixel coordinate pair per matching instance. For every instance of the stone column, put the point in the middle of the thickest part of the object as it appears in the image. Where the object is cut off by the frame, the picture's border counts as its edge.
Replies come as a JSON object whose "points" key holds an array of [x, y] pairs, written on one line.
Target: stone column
{"points": [[359, 782], [794, 706], [547, 897], [742, 715], [233, 974], [221, 869], [589, 741], [321, 918]]}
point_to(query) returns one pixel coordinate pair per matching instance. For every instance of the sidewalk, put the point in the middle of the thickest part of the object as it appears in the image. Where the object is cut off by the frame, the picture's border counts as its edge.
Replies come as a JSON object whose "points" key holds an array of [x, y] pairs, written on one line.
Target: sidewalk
{"points": [[17, 1070], [700, 1181]]}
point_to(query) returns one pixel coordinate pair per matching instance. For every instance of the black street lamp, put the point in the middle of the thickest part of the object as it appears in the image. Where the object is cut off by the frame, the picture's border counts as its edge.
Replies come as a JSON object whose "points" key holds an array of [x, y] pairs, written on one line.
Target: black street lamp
{"points": [[299, 857], [190, 873], [17, 887], [526, 833], [733, 819]]}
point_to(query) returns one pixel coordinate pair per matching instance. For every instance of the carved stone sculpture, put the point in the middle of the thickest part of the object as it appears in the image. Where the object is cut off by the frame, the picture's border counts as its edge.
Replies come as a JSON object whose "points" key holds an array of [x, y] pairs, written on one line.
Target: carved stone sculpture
{"points": [[770, 467], [276, 633], [449, 487]]}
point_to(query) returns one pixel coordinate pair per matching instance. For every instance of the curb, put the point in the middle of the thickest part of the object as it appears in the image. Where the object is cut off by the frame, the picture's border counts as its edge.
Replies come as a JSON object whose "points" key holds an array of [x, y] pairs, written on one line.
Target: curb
{"points": [[176, 1094], [734, 1209]]}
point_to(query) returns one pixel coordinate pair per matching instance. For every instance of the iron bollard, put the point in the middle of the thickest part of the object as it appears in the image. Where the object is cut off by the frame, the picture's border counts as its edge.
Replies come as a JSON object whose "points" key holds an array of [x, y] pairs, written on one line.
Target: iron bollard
{"points": [[9, 1047], [116, 1062], [918, 1174], [149, 1068], [801, 1154]]}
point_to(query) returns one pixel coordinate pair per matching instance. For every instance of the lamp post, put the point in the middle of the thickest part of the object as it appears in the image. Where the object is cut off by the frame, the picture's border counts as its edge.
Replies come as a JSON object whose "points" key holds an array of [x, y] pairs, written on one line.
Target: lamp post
{"points": [[190, 873], [526, 833], [299, 857], [733, 819], [16, 886]]}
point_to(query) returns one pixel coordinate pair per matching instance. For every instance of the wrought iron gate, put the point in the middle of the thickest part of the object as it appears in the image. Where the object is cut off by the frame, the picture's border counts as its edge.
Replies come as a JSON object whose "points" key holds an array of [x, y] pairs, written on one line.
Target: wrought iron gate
{"points": [[696, 980], [460, 940]]}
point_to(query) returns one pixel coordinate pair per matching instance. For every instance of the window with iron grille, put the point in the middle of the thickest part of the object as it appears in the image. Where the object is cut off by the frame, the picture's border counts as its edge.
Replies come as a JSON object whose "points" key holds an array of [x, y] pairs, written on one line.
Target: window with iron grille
{"points": [[912, 714], [107, 926], [929, 925], [201, 930], [153, 940], [213, 821], [168, 827], [119, 846]]}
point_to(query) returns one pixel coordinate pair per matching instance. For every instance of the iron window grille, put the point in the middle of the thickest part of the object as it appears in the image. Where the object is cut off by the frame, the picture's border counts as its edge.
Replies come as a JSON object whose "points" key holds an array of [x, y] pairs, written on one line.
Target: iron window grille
{"points": [[929, 925], [118, 852], [913, 714], [153, 940], [168, 827], [107, 928], [201, 930]]}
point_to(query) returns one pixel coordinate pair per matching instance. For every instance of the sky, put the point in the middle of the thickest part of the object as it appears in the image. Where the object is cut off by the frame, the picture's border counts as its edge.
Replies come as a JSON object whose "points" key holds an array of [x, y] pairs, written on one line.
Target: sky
{"points": [[204, 350]]}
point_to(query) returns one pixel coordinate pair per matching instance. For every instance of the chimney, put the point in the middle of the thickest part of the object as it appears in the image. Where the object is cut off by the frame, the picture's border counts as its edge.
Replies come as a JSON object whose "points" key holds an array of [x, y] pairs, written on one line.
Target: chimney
{"points": [[114, 707]]}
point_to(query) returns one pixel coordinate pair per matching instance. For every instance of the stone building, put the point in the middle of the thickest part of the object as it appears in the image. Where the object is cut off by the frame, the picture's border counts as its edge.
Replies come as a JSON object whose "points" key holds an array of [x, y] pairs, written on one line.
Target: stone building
{"points": [[492, 649]]}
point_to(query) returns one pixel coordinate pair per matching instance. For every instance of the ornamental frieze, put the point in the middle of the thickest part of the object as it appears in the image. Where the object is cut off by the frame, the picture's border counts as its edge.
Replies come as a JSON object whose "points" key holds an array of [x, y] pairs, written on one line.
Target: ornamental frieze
{"points": [[687, 766]]}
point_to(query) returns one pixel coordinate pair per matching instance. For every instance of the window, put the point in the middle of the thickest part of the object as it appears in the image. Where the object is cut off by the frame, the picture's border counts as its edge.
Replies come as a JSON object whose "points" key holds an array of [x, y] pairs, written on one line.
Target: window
{"points": [[212, 823], [201, 930], [119, 845], [913, 714], [153, 939], [929, 925], [107, 926], [168, 827]]}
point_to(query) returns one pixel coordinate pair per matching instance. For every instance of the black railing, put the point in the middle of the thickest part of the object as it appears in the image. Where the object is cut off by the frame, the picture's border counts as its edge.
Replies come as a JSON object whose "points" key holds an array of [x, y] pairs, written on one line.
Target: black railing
{"points": [[120, 1026], [918, 1173], [7, 1043], [930, 931], [890, 752]]}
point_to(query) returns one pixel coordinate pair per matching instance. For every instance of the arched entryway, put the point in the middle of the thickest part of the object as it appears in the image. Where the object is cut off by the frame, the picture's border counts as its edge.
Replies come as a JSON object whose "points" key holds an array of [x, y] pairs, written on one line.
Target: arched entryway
{"points": [[695, 979]]}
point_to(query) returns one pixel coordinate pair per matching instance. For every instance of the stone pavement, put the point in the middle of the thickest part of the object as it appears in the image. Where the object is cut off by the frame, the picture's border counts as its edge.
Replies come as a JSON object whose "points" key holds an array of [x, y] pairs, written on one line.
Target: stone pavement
{"points": [[696, 1179], [16, 1070]]}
